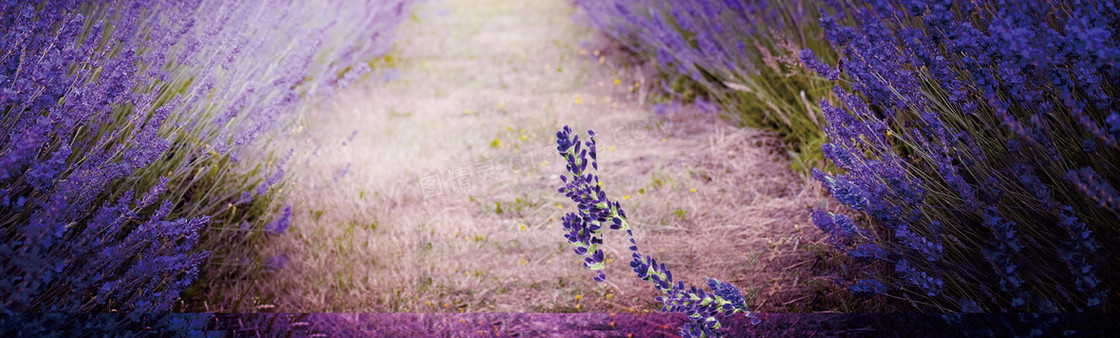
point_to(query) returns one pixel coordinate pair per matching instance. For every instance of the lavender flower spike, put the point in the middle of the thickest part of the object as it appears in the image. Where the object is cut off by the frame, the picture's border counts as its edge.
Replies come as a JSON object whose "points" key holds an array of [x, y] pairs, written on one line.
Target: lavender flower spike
{"points": [[583, 229]]}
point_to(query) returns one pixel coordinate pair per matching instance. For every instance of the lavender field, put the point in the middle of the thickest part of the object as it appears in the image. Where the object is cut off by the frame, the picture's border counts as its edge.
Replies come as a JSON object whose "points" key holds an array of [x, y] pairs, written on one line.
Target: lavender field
{"points": [[609, 168]]}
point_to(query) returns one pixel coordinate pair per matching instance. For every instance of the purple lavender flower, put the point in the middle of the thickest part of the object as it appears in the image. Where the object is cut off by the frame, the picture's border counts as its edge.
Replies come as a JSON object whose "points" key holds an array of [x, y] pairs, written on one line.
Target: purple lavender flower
{"points": [[583, 229], [868, 288], [810, 60], [280, 225], [1114, 125], [1093, 186]]}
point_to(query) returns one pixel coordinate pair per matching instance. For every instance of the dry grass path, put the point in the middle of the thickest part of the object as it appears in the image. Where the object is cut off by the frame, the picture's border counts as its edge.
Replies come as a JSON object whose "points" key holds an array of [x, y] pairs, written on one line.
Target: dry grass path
{"points": [[435, 192]]}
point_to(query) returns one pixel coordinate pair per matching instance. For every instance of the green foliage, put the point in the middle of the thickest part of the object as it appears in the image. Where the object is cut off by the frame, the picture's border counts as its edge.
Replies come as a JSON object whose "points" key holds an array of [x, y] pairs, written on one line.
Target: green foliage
{"points": [[754, 72]]}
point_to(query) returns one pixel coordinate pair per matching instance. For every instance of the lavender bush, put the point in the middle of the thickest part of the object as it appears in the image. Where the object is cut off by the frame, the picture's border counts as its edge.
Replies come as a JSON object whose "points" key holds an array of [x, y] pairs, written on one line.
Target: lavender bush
{"points": [[744, 55], [979, 139], [974, 142], [584, 231], [128, 167]]}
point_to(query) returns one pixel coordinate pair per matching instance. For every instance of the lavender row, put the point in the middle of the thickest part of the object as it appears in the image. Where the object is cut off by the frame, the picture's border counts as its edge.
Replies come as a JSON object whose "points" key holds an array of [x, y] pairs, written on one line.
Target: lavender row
{"points": [[743, 55], [973, 143], [982, 142], [130, 150]]}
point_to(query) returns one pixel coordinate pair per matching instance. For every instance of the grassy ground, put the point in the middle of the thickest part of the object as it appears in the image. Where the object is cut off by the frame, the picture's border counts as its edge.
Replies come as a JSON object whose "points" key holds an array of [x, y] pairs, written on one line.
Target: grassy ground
{"points": [[436, 192]]}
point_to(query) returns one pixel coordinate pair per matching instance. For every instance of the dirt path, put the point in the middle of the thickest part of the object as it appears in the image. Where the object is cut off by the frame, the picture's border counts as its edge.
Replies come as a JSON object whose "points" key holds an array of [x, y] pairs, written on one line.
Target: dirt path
{"points": [[436, 192]]}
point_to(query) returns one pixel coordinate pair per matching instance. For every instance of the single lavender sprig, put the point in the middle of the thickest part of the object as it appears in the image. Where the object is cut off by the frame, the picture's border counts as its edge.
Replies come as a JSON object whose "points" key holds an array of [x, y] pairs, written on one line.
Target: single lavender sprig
{"points": [[583, 229]]}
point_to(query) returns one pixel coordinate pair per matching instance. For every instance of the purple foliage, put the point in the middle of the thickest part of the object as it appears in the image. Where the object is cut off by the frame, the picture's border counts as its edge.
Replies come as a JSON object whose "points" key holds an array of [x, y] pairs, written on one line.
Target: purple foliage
{"points": [[976, 142], [693, 38], [100, 98], [280, 225], [966, 133]]}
